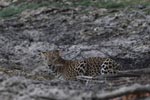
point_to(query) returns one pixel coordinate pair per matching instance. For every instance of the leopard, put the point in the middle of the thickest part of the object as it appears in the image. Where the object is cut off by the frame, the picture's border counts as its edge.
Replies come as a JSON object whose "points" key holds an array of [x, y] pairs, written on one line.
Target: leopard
{"points": [[70, 69]]}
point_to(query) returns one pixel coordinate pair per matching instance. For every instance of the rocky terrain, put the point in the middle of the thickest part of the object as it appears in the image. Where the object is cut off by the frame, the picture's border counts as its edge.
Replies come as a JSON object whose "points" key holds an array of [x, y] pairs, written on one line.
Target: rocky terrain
{"points": [[79, 32]]}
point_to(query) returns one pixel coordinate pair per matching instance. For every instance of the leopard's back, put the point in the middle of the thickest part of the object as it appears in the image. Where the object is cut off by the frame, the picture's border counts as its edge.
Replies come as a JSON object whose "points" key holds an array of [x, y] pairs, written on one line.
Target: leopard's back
{"points": [[98, 66], [90, 67]]}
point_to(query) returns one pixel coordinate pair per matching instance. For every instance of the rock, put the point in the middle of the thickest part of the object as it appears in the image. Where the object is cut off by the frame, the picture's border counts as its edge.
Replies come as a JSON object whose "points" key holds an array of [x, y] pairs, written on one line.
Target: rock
{"points": [[4, 3], [123, 36], [113, 35]]}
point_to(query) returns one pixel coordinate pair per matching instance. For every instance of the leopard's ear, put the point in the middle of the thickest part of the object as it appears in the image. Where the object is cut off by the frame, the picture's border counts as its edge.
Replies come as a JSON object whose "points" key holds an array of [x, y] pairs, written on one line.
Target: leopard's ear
{"points": [[43, 53]]}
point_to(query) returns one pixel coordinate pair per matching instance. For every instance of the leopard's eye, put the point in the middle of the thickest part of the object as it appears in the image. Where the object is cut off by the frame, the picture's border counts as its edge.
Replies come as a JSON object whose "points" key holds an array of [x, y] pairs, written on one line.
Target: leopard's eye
{"points": [[45, 58]]}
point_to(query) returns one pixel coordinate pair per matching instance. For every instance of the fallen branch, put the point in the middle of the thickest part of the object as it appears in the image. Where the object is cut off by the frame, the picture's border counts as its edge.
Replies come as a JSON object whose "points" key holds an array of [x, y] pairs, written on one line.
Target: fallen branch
{"points": [[109, 76], [126, 73], [134, 89], [138, 71]]}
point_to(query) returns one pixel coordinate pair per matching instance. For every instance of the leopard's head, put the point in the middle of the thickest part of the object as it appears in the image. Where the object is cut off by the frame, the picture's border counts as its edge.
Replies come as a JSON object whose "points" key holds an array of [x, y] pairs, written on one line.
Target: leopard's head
{"points": [[52, 59]]}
